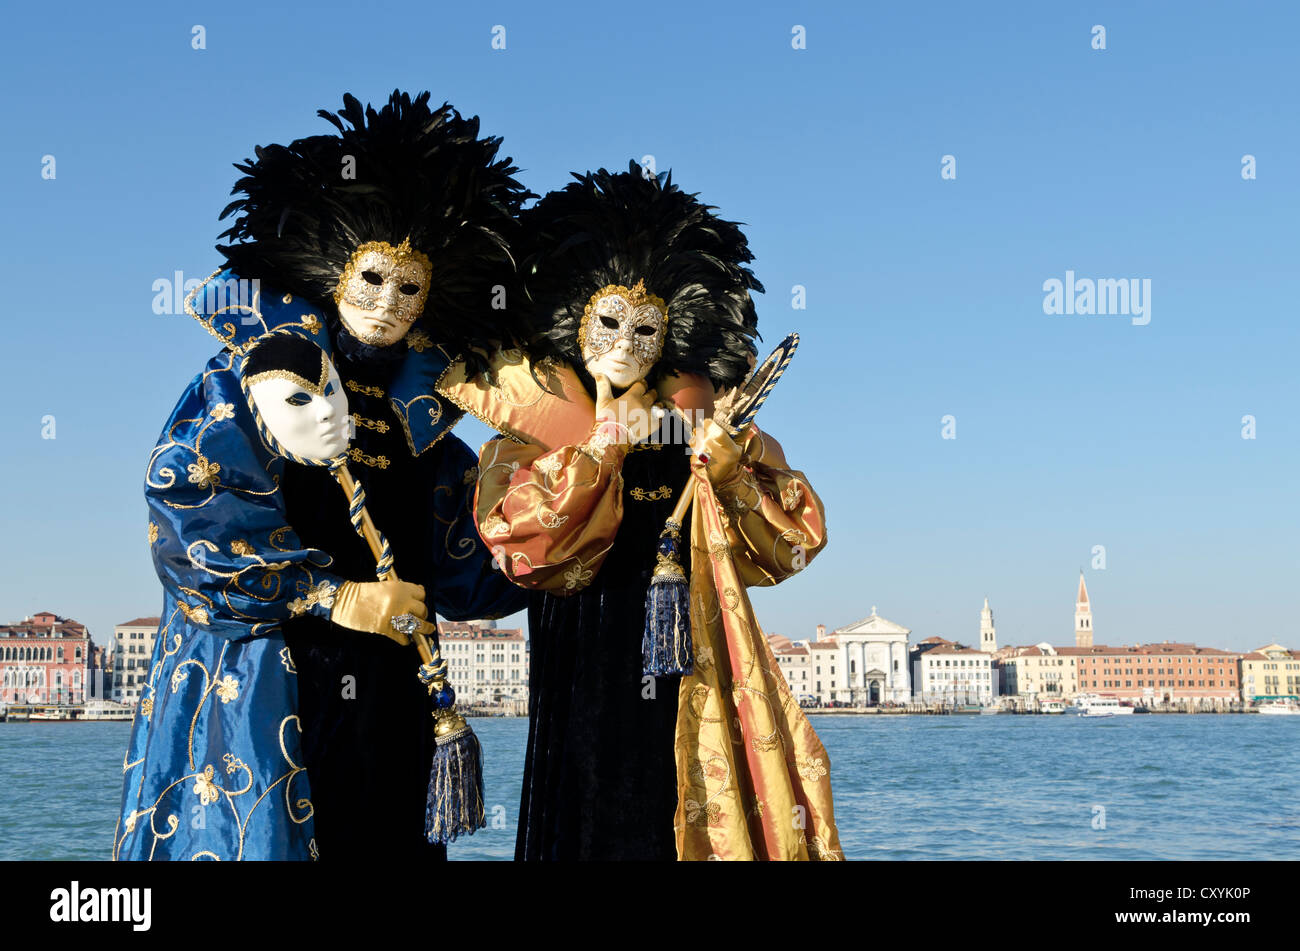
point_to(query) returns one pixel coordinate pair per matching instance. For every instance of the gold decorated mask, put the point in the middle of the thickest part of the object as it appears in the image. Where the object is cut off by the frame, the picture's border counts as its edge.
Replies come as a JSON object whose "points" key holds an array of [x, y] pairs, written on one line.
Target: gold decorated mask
{"points": [[382, 291], [622, 333]]}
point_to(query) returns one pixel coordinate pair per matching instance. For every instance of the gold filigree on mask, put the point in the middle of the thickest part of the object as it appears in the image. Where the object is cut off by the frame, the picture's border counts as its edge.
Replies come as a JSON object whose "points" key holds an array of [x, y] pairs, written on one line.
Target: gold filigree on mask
{"points": [[632, 308], [402, 274]]}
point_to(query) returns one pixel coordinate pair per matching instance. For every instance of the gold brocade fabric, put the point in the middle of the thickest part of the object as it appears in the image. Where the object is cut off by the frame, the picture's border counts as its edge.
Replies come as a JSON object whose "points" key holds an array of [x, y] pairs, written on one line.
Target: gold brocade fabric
{"points": [[753, 778]]}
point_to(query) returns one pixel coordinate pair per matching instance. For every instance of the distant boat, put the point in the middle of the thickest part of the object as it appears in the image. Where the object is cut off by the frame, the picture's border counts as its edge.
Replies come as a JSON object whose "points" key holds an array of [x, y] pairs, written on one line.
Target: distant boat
{"points": [[1279, 708], [47, 715], [107, 710], [1092, 705]]}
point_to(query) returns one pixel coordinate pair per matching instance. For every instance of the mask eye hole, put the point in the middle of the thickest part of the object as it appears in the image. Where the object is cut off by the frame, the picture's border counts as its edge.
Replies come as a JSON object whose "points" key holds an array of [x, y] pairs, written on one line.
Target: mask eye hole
{"points": [[609, 322], [645, 330], [298, 399], [372, 277], [410, 289], [329, 389]]}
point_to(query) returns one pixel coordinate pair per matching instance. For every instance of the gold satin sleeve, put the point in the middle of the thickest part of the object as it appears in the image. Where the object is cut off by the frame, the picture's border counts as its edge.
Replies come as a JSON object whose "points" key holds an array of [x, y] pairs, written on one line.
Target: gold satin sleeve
{"points": [[550, 517], [775, 522]]}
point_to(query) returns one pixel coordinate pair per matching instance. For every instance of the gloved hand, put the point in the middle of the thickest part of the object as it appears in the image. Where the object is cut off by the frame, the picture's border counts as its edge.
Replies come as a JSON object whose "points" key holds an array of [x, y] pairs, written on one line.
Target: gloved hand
{"points": [[722, 454], [370, 606]]}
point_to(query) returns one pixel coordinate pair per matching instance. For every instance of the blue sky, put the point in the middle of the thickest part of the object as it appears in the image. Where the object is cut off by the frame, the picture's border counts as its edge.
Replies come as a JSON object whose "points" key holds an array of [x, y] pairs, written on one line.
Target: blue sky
{"points": [[924, 295]]}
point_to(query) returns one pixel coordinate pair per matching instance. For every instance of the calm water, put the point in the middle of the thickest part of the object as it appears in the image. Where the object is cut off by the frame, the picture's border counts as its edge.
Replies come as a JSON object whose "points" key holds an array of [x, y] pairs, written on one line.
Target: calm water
{"points": [[1006, 787]]}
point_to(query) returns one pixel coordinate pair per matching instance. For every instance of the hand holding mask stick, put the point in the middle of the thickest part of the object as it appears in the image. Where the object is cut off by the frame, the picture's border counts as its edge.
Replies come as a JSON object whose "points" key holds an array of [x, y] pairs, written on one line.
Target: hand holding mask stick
{"points": [[298, 403], [666, 647]]}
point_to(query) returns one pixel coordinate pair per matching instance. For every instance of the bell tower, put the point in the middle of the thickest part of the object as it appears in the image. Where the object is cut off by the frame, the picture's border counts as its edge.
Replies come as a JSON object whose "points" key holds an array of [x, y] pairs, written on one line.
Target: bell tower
{"points": [[988, 633], [1082, 616]]}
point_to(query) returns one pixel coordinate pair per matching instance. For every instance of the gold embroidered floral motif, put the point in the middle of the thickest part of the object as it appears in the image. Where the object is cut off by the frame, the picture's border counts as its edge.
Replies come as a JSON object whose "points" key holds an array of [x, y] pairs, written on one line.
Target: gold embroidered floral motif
{"points": [[792, 496], [812, 769], [233, 763], [696, 772], [241, 546], [651, 495], [718, 545], [470, 476], [146, 707], [377, 462], [311, 322], [223, 411], [205, 788], [730, 598], [204, 473], [702, 814], [378, 425], [227, 689], [179, 676], [704, 656], [322, 594], [495, 525], [153, 533], [362, 388], [548, 465], [418, 341], [577, 577]]}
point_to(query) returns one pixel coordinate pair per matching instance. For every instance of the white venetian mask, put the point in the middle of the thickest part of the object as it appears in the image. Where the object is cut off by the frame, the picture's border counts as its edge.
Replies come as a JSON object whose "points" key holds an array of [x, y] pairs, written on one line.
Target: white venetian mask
{"points": [[622, 333], [294, 386]]}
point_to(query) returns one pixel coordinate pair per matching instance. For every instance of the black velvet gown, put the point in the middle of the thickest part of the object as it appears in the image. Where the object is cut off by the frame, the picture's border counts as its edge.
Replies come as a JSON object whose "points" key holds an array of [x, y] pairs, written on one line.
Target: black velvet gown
{"points": [[600, 780], [366, 719]]}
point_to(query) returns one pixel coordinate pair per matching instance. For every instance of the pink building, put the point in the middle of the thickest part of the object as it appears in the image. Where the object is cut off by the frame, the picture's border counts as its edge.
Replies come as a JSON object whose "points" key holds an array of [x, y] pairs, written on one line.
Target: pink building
{"points": [[44, 659]]}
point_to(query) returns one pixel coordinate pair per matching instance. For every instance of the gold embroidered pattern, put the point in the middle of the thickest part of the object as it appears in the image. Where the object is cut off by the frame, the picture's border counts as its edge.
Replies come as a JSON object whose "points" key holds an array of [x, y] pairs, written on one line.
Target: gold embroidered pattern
{"points": [[549, 466], [642, 446], [227, 690], [287, 660], [197, 615], [698, 814], [223, 411], [495, 525], [376, 462], [287, 298], [577, 577], [378, 425], [792, 496], [812, 769], [204, 473], [311, 322], [549, 519], [651, 495], [240, 546], [146, 707], [418, 341], [205, 788], [153, 533], [362, 388], [322, 594]]}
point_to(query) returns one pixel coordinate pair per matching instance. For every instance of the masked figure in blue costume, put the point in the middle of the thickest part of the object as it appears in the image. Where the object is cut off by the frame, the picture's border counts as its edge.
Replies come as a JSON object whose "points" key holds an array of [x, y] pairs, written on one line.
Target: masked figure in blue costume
{"points": [[283, 718]]}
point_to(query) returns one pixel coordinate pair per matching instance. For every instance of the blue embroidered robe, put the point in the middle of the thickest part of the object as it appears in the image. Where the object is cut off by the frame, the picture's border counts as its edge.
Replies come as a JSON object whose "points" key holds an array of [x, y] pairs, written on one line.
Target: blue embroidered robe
{"points": [[215, 768]]}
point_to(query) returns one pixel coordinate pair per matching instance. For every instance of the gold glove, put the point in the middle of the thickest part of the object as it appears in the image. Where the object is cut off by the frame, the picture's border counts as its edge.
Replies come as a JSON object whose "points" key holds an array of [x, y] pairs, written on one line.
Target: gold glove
{"points": [[370, 607], [722, 454]]}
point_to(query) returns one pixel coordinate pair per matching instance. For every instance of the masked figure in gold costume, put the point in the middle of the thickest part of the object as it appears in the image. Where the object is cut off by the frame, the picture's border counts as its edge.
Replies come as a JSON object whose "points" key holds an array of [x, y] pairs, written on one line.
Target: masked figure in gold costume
{"points": [[640, 315]]}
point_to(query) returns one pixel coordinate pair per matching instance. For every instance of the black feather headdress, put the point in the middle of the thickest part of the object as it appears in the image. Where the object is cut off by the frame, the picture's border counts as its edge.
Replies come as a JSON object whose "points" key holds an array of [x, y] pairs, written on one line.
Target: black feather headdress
{"points": [[403, 172], [619, 228]]}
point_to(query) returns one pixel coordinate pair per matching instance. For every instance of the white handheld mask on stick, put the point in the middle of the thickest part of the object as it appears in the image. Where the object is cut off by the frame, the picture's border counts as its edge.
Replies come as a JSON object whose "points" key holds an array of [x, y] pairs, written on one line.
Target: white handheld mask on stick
{"points": [[294, 388]]}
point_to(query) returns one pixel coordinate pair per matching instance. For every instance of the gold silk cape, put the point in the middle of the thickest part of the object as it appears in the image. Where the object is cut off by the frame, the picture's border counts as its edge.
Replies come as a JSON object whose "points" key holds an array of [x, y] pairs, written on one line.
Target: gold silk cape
{"points": [[753, 778]]}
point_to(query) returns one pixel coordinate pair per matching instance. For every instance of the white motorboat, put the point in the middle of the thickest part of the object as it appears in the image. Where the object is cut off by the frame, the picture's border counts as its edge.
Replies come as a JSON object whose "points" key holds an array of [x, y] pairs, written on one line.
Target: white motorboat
{"points": [[1280, 708], [1094, 705]]}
